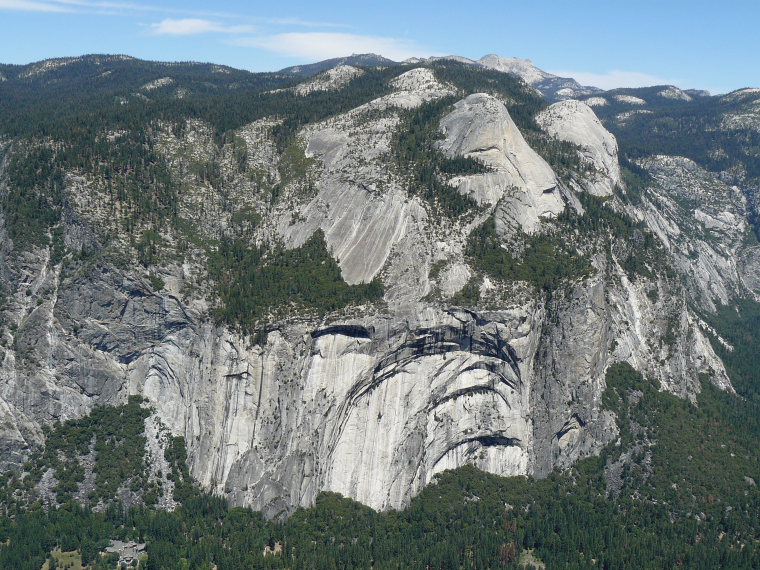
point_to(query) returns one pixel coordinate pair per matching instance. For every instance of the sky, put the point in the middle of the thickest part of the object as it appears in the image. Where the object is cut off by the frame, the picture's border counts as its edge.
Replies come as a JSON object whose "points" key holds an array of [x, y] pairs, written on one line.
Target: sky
{"points": [[692, 44]]}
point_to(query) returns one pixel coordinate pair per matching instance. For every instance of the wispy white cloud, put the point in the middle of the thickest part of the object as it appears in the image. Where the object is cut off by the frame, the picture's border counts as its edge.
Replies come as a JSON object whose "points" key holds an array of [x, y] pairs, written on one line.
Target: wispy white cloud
{"points": [[300, 23], [315, 46], [115, 7], [103, 7], [32, 6], [195, 26], [615, 78]]}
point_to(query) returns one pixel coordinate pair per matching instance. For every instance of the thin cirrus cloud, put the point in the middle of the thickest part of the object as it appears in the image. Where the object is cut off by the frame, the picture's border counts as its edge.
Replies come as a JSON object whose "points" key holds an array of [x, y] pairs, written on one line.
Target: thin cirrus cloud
{"points": [[102, 7], [315, 46], [614, 79], [301, 23], [195, 26], [31, 6], [114, 7]]}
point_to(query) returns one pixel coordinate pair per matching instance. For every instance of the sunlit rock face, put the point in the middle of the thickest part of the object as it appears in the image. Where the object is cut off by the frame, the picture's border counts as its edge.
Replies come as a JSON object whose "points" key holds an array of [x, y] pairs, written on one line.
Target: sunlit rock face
{"points": [[370, 407], [575, 122], [521, 181]]}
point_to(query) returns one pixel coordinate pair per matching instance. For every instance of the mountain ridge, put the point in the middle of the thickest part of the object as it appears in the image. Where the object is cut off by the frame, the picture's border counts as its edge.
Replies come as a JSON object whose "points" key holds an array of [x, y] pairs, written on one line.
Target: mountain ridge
{"points": [[550, 85], [441, 227], [231, 305], [521, 67]]}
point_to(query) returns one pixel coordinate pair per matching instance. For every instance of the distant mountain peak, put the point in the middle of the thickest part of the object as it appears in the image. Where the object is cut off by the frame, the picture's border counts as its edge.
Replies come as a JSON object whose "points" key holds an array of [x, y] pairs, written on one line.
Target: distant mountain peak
{"points": [[361, 59], [494, 57], [516, 66], [551, 86]]}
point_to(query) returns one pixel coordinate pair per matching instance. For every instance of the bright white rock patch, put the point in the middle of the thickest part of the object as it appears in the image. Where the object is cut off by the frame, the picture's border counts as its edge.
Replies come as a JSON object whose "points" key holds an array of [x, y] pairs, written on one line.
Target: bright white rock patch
{"points": [[630, 99], [675, 93], [741, 94], [162, 82], [480, 127], [523, 68], [330, 80], [623, 117], [596, 101]]}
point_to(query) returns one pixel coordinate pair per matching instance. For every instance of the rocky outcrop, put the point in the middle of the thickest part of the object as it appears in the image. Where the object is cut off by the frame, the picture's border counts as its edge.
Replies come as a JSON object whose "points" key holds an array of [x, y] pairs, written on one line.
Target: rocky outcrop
{"points": [[370, 407], [629, 99], [157, 83], [672, 92], [703, 223], [576, 123], [330, 80], [480, 127], [551, 86], [743, 110]]}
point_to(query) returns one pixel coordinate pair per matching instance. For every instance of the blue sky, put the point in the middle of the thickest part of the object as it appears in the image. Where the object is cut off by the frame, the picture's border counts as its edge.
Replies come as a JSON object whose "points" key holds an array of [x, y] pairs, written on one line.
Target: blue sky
{"points": [[696, 44]]}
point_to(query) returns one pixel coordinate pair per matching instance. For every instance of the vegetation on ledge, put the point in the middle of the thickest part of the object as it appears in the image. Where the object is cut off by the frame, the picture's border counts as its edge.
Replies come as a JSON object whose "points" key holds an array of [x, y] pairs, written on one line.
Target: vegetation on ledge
{"points": [[414, 152], [254, 281], [546, 260]]}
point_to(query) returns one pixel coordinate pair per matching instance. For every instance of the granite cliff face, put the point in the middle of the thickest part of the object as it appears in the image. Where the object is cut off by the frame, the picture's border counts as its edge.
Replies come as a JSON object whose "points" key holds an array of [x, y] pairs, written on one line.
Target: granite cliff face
{"points": [[520, 182], [372, 401], [574, 122]]}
